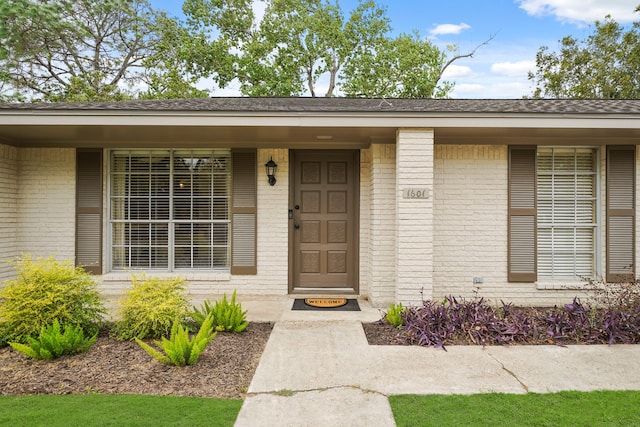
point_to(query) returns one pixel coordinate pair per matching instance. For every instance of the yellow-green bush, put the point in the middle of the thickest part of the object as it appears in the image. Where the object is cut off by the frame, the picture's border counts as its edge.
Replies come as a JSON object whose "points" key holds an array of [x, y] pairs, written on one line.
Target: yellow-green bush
{"points": [[45, 290], [150, 307]]}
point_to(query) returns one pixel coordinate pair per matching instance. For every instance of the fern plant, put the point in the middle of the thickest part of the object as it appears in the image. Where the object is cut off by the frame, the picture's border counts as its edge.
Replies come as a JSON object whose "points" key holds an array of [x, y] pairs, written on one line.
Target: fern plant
{"points": [[394, 315], [53, 342], [227, 315], [180, 349]]}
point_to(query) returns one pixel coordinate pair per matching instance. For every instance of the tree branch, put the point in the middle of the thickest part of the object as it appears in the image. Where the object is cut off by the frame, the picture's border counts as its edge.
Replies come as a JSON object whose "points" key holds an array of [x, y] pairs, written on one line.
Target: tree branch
{"points": [[467, 55]]}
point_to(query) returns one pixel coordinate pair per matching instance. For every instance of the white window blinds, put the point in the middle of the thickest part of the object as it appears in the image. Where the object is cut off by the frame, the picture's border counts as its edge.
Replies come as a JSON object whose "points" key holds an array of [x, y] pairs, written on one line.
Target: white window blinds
{"points": [[566, 195], [169, 209]]}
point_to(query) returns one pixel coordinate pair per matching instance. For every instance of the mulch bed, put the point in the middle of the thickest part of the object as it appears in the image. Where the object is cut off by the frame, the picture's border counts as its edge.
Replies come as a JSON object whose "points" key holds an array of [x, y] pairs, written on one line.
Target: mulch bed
{"points": [[224, 369]]}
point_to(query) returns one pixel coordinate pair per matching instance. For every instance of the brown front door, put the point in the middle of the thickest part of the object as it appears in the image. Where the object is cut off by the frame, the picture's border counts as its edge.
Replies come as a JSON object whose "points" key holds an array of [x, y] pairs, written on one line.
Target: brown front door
{"points": [[324, 221]]}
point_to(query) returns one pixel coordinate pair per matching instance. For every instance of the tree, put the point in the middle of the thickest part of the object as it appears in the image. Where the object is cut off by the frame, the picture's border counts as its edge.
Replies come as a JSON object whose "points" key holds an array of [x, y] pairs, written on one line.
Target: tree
{"points": [[75, 50], [403, 67], [605, 65], [164, 77], [303, 46]]}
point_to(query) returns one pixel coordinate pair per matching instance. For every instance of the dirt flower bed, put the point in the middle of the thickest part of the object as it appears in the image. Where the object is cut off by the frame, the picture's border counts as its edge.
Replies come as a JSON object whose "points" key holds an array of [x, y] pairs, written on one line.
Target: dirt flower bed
{"points": [[224, 369]]}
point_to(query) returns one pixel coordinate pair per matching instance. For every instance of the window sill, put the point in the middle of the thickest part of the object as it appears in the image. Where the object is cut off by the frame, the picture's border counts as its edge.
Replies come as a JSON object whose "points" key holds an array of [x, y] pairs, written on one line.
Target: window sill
{"points": [[560, 285], [208, 276]]}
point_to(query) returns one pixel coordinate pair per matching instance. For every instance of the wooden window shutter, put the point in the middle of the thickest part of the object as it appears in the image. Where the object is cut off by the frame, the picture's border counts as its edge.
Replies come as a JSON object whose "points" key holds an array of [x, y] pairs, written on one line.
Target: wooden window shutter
{"points": [[89, 210], [244, 213], [621, 213], [522, 213]]}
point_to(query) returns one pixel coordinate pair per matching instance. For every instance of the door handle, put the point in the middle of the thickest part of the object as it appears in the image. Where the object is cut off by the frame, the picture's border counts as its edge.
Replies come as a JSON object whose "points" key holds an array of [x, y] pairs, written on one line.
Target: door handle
{"points": [[296, 225]]}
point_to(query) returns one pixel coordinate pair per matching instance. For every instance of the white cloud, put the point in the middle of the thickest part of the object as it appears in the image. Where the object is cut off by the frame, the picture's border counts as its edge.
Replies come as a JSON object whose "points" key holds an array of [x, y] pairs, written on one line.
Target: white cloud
{"points": [[467, 90], [448, 29], [457, 71], [520, 68], [582, 11]]}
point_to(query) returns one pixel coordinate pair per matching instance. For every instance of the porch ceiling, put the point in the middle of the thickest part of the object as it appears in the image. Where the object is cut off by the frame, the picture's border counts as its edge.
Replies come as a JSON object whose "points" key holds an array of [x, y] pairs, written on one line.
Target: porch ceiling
{"points": [[194, 136], [293, 136]]}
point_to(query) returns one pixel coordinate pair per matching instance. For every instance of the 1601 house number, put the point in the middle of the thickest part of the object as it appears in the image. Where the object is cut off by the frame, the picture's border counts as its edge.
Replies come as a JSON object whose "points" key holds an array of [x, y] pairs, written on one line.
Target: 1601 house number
{"points": [[415, 193]]}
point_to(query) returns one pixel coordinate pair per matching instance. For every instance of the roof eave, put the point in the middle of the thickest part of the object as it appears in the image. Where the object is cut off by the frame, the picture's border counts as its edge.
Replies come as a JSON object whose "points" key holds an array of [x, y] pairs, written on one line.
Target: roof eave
{"points": [[316, 119]]}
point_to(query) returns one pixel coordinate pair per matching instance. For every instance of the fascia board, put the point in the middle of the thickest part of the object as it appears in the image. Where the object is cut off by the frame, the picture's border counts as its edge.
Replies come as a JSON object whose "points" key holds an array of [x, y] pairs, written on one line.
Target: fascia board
{"points": [[301, 119]]}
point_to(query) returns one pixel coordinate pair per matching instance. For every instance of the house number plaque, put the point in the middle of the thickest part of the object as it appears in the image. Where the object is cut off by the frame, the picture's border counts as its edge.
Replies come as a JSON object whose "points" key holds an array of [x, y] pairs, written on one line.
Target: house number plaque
{"points": [[415, 193]]}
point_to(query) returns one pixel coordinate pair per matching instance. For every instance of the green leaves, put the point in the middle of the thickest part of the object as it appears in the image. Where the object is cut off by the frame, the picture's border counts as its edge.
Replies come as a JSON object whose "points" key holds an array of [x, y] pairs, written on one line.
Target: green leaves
{"points": [[53, 342], [179, 349], [69, 50], [404, 67], [227, 316], [150, 307], [604, 65], [394, 315], [303, 46], [95, 50], [45, 290]]}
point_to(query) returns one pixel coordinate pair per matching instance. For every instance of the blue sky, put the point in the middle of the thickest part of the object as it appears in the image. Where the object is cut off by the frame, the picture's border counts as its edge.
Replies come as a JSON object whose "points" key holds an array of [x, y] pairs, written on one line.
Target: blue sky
{"points": [[499, 69]]}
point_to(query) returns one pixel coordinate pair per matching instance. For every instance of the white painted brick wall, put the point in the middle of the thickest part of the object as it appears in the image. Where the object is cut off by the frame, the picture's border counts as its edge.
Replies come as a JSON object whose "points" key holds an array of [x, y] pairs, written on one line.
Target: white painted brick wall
{"points": [[8, 209], [46, 202], [414, 246], [470, 213], [382, 219]]}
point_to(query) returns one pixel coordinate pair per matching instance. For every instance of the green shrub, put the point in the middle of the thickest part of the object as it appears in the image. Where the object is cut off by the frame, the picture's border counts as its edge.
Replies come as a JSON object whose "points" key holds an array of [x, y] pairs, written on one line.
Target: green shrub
{"points": [[180, 349], [44, 290], [394, 315], [150, 307], [227, 315], [53, 342]]}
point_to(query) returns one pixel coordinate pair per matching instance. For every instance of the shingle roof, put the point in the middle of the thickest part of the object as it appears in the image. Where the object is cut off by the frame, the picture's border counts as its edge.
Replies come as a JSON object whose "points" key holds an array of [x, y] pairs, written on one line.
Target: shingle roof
{"points": [[319, 105]]}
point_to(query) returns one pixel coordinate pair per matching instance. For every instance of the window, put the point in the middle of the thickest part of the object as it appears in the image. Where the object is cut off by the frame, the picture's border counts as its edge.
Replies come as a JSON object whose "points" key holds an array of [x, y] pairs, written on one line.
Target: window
{"points": [[169, 209], [553, 221], [566, 212]]}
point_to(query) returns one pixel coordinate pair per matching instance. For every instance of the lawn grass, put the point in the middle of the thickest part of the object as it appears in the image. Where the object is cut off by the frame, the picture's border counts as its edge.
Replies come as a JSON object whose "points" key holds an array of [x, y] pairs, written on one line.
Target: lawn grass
{"points": [[116, 410], [599, 408]]}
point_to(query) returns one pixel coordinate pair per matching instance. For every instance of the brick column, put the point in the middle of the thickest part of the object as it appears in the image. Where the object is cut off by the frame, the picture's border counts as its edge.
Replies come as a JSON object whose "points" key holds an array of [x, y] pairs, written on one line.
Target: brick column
{"points": [[414, 211]]}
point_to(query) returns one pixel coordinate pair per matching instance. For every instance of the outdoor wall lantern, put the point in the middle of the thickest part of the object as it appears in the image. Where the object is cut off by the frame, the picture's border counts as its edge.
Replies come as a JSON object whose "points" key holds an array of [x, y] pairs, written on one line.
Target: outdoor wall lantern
{"points": [[271, 167]]}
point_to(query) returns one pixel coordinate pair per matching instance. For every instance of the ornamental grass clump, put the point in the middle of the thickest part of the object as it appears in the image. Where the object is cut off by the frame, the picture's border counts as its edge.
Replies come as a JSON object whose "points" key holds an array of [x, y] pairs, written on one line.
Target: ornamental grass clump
{"points": [[46, 290], [180, 349], [227, 315], [54, 342], [150, 307]]}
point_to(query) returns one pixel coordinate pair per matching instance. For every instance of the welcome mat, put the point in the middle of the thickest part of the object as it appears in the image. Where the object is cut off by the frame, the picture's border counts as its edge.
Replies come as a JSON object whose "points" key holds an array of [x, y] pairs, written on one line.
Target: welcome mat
{"points": [[326, 304]]}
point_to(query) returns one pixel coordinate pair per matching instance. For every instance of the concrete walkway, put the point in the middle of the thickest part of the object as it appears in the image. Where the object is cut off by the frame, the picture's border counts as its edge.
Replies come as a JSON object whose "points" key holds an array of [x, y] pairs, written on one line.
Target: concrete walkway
{"points": [[318, 370]]}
